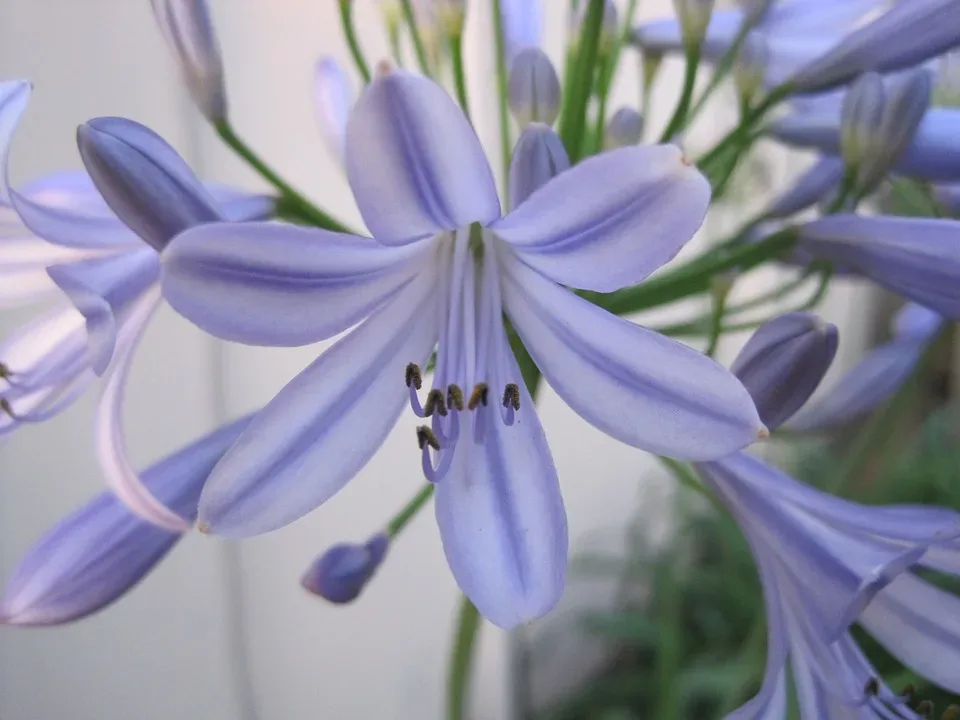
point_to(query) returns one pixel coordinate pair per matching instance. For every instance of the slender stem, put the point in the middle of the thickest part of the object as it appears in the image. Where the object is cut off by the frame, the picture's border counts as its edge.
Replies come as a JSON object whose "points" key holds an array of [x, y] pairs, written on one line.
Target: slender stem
{"points": [[294, 203], [608, 69], [716, 321], [677, 122], [459, 79], [500, 47], [418, 46], [574, 118], [461, 658], [686, 477], [742, 131], [393, 36], [721, 70], [409, 511], [350, 32]]}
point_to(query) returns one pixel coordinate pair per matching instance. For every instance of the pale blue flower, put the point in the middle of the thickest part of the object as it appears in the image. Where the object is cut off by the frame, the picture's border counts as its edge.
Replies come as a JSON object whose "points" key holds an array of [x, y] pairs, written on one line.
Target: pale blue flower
{"points": [[101, 551], [442, 270], [108, 273]]}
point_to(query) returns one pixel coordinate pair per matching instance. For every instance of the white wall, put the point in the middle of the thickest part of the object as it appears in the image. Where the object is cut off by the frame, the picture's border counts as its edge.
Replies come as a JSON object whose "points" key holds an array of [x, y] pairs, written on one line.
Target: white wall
{"points": [[175, 647]]}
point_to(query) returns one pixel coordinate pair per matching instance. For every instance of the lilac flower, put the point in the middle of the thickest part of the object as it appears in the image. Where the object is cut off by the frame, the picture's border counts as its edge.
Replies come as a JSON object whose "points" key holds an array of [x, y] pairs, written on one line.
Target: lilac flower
{"points": [[333, 98], [876, 376], [522, 25], [442, 270], [917, 258], [109, 274], [624, 128], [101, 551], [340, 574]]}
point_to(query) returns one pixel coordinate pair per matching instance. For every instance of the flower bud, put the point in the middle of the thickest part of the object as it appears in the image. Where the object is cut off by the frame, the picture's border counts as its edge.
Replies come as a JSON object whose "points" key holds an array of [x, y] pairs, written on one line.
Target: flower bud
{"points": [[694, 16], [340, 574], [538, 157], [143, 180], [784, 361], [623, 129], [534, 89], [333, 100], [860, 119], [749, 70], [188, 30], [450, 16]]}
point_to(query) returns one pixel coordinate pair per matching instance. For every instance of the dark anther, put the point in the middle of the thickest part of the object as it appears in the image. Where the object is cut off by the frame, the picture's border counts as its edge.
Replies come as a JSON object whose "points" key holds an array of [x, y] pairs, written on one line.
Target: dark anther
{"points": [[435, 403], [455, 397], [413, 376], [872, 688], [7, 408], [478, 396], [908, 692], [951, 713], [511, 396], [425, 437], [5, 372], [924, 708]]}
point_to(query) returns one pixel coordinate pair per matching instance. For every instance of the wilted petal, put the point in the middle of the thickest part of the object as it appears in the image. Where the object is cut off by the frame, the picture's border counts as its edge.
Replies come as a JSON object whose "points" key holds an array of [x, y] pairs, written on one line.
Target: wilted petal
{"points": [[324, 426], [611, 220], [274, 284], [917, 258], [414, 162], [502, 521], [103, 289], [188, 30], [143, 180], [340, 574], [101, 551], [538, 157], [634, 384], [332, 99], [821, 179]]}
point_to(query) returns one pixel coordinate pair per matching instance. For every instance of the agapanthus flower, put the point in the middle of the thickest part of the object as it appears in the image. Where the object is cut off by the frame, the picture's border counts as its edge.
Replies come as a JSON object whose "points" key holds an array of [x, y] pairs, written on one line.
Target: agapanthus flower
{"points": [[102, 550], [333, 98], [442, 268], [111, 277]]}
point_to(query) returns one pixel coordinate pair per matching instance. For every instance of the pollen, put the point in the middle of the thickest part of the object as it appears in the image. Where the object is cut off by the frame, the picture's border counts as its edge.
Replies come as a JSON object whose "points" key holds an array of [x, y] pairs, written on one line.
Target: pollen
{"points": [[455, 397], [413, 376], [478, 396], [425, 436], [435, 404], [511, 396]]}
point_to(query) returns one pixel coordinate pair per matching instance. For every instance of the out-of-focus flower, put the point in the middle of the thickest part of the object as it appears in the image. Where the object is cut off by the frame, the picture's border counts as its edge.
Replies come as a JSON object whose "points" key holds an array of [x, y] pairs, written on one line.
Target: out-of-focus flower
{"points": [[534, 88], [625, 128], [340, 574], [522, 25], [538, 157], [694, 17], [333, 98], [813, 186], [421, 182]]}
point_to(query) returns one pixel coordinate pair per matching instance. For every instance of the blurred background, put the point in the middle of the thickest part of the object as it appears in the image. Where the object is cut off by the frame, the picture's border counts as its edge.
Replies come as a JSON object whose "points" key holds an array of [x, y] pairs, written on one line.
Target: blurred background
{"points": [[223, 631]]}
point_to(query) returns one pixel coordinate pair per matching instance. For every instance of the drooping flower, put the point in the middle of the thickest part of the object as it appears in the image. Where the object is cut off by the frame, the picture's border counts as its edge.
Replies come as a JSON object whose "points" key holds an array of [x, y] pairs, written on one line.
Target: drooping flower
{"points": [[108, 273], [102, 550], [441, 271]]}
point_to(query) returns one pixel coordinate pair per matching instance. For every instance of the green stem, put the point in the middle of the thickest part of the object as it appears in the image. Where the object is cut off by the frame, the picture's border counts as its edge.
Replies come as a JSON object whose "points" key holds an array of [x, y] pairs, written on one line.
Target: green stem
{"points": [[721, 70], [350, 32], [716, 321], [409, 511], [685, 476], [500, 48], [611, 61], [677, 122], [461, 658], [393, 36], [294, 202], [459, 77], [574, 119], [418, 46]]}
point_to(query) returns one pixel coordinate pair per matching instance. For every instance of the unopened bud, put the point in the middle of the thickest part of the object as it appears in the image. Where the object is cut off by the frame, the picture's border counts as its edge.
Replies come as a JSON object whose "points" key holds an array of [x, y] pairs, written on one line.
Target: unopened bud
{"points": [[625, 128], [860, 119], [750, 68], [694, 16], [450, 16], [534, 88], [784, 362], [538, 157], [188, 30], [341, 573]]}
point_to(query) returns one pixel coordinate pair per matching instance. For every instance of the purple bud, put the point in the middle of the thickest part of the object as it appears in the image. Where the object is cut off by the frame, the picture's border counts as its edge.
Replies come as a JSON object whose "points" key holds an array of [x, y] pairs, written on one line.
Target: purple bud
{"points": [[143, 180], [101, 551], [341, 573], [694, 16], [784, 362], [534, 88], [538, 157], [860, 119], [625, 128]]}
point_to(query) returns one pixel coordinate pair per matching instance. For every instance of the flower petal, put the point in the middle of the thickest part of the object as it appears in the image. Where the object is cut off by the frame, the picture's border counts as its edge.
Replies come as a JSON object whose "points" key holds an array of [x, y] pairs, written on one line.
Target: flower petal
{"points": [[324, 426], [24, 260], [103, 289], [502, 520], [101, 551], [611, 220], [814, 185], [273, 284], [332, 99], [634, 384], [111, 440], [240, 206], [414, 162]]}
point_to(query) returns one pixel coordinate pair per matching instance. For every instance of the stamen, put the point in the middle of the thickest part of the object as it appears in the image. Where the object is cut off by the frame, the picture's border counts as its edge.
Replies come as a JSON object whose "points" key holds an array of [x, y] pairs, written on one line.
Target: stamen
{"points": [[478, 396], [924, 708], [511, 396], [435, 403], [872, 688], [907, 693], [5, 372], [8, 409], [426, 436], [951, 713], [413, 376], [455, 397]]}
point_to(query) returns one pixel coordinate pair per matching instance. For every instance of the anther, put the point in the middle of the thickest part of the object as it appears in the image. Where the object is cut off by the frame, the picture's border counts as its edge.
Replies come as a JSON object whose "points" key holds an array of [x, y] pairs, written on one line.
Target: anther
{"points": [[478, 396], [511, 396], [908, 692], [435, 403], [5, 372], [7, 408], [872, 688], [951, 713], [924, 708], [455, 397], [413, 376], [426, 437]]}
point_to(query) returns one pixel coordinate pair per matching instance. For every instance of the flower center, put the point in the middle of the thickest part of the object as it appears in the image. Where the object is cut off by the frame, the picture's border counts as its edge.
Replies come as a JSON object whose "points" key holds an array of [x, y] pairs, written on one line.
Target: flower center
{"points": [[471, 357]]}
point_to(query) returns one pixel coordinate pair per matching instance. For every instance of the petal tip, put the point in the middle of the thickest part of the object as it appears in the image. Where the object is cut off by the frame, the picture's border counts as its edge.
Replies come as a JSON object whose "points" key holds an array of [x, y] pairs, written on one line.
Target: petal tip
{"points": [[763, 433]]}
